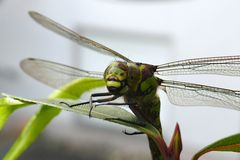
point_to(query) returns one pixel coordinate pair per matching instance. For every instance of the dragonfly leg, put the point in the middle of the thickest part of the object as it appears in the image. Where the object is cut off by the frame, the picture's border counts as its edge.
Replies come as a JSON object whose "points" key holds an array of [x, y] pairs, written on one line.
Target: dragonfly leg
{"points": [[114, 104], [132, 133], [73, 105], [64, 103], [113, 97], [97, 95], [126, 121], [91, 101], [101, 94]]}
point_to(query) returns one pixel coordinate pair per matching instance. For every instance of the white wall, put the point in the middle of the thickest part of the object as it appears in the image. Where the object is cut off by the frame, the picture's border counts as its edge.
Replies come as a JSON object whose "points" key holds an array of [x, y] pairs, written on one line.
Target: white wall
{"points": [[156, 31]]}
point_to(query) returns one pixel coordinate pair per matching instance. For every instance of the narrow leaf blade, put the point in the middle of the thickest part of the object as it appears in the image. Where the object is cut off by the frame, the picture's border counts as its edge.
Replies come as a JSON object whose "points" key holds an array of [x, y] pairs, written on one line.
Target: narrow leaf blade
{"points": [[228, 144], [109, 113], [46, 114], [7, 107]]}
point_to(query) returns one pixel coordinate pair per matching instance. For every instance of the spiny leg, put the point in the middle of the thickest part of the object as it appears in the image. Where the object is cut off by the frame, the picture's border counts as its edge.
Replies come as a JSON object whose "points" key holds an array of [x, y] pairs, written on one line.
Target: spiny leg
{"points": [[126, 121], [114, 104], [90, 102], [97, 95], [73, 105], [101, 100]]}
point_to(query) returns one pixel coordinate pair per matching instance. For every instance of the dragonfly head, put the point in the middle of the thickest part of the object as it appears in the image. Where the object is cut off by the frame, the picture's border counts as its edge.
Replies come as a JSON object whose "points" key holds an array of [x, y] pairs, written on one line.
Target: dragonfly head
{"points": [[115, 77]]}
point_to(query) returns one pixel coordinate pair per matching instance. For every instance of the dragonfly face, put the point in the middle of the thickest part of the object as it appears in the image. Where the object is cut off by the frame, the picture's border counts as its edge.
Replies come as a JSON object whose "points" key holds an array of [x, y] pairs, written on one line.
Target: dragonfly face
{"points": [[121, 76], [115, 77]]}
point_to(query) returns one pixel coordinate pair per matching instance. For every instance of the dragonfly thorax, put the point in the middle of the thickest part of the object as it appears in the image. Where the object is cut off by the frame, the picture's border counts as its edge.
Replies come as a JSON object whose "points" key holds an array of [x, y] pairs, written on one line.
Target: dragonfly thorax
{"points": [[120, 77]]}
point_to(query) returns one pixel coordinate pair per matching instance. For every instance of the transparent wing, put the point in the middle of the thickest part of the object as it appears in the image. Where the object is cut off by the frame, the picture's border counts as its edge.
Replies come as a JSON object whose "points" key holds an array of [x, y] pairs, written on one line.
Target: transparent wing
{"points": [[64, 31], [226, 65], [189, 94], [54, 74]]}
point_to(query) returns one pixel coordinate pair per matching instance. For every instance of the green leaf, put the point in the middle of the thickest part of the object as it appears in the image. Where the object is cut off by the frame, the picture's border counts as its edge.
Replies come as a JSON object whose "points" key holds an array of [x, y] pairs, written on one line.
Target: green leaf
{"points": [[44, 116], [228, 144], [7, 107], [52, 107], [109, 113], [9, 102]]}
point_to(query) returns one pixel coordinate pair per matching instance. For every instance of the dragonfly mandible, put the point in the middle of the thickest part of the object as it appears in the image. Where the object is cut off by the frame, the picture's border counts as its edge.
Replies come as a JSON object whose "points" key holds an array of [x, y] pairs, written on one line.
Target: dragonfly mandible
{"points": [[138, 82]]}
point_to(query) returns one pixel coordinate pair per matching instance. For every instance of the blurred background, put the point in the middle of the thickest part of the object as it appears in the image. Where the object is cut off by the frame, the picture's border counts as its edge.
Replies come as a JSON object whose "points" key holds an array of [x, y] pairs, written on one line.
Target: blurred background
{"points": [[150, 31]]}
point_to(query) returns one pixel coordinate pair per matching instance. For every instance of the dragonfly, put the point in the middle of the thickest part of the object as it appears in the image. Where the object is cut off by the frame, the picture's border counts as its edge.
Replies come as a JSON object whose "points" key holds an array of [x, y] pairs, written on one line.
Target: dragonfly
{"points": [[138, 82]]}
